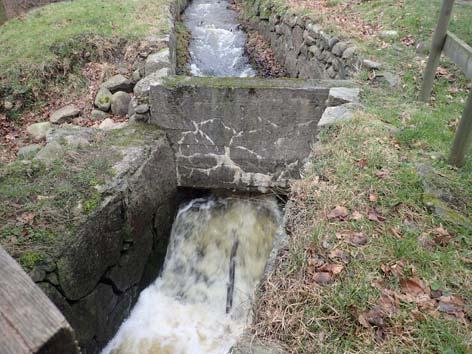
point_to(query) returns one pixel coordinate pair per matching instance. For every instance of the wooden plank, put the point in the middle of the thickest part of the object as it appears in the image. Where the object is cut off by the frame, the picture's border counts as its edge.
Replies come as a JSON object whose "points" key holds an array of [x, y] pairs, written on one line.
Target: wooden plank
{"points": [[459, 52], [463, 138], [29, 321], [436, 50]]}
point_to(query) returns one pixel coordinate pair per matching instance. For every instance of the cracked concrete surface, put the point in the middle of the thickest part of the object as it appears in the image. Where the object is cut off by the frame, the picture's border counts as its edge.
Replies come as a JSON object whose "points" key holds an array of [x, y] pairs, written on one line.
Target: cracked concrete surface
{"points": [[250, 136]]}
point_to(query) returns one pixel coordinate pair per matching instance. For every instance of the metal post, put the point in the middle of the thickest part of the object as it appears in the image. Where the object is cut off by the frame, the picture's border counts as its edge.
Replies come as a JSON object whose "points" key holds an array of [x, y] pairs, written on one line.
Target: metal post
{"points": [[463, 137], [436, 49]]}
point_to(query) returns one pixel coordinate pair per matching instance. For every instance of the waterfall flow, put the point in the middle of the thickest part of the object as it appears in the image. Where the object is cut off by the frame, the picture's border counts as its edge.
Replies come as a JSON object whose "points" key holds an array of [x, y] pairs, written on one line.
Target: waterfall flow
{"points": [[200, 304]]}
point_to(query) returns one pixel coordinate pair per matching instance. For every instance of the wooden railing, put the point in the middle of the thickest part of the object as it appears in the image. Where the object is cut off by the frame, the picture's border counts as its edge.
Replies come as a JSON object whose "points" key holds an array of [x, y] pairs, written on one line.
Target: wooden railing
{"points": [[29, 321], [460, 53]]}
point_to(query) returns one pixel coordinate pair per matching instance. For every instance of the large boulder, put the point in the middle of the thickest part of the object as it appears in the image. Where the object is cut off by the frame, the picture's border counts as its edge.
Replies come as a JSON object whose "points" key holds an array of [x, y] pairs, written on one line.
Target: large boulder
{"points": [[120, 103], [118, 83], [39, 131], [65, 114], [103, 99]]}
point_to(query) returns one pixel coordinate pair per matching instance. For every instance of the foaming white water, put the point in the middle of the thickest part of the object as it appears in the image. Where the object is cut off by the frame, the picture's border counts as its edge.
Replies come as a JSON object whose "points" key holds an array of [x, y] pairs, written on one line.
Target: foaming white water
{"points": [[217, 44], [192, 307]]}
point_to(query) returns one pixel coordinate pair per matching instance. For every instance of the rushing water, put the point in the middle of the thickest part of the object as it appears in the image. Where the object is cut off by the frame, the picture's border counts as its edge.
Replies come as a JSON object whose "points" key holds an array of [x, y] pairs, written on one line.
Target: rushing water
{"points": [[217, 44], [200, 304]]}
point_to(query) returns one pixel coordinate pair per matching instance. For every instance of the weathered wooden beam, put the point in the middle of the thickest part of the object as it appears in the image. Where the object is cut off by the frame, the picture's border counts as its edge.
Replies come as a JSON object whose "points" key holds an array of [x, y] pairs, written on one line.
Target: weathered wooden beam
{"points": [[459, 52], [29, 321], [436, 49], [463, 137]]}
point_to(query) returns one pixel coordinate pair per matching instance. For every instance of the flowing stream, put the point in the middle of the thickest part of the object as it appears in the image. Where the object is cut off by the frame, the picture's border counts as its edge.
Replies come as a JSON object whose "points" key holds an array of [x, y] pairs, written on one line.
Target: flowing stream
{"points": [[217, 44], [219, 247], [201, 303]]}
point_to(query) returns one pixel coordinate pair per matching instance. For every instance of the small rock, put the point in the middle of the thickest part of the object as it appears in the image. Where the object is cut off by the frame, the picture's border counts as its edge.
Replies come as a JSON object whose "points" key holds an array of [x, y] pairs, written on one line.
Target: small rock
{"points": [[136, 76], [142, 108], [98, 115], [29, 150], [157, 61], [39, 131], [144, 85], [65, 114], [53, 279], [118, 83], [336, 114], [103, 99], [122, 69], [341, 95], [371, 65], [388, 35], [37, 274], [119, 103], [52, 151], [8, 105], [339, 48], [109, 124], [349, 52], [391, 79]]}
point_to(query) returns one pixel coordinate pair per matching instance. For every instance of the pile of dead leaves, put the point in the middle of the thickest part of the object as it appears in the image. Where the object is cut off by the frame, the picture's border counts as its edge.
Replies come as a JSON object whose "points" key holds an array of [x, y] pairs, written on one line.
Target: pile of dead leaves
{"points": [[412, 291]]}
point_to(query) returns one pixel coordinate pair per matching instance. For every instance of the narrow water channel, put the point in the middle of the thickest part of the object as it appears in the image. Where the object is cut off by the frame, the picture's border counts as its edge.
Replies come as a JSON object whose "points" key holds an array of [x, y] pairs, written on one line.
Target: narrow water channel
{"points": [[219, 247], [218, 42], [200, 304]]}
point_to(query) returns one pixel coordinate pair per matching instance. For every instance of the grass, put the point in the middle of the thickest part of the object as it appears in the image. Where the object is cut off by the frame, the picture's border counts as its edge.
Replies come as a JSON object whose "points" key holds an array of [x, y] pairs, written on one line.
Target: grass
{"points": [[42, 48], [368, 165]]}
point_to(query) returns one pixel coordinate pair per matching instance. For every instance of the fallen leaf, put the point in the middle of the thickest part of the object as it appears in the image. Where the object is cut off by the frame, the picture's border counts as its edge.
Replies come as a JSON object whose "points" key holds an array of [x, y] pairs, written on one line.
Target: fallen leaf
{"points": [[382, 173], [374, 317], [332, 268], [453, 305], [374, 215], [413, 286], [372, 198], [357, 239], [356, 216], [323, 278], [26, 218], [362, 163], [339, 213], [339, 254]]}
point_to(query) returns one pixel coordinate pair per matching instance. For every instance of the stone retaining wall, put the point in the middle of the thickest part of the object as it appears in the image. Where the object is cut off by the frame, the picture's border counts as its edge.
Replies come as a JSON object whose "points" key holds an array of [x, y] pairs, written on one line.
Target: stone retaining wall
{"points": [[116, 251], [305, 49]]}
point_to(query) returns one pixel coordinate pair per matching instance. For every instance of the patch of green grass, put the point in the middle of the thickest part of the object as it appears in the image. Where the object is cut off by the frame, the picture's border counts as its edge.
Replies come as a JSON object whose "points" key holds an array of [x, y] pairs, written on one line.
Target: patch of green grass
{"points": [[29, 259], [48, 46]]}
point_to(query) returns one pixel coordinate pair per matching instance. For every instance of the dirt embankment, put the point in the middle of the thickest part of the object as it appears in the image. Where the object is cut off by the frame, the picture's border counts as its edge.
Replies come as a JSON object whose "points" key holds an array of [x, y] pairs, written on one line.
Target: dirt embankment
{"points": [[16, 7]]}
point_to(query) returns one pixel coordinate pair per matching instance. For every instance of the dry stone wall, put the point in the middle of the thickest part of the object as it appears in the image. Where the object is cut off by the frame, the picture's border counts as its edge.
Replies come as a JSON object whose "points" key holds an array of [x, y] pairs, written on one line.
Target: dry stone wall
{"points": [[305, 49]]}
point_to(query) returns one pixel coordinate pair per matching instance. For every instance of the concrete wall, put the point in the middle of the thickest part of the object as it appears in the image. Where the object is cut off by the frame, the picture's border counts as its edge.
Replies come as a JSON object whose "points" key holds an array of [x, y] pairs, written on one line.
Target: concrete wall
{"points": [[304, 48], [237, 133], [96, 276]]}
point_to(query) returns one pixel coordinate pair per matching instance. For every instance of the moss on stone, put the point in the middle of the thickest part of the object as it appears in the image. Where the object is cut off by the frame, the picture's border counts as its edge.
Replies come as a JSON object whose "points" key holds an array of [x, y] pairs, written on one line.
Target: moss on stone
{"points": [[43, 204], [246, 83]]}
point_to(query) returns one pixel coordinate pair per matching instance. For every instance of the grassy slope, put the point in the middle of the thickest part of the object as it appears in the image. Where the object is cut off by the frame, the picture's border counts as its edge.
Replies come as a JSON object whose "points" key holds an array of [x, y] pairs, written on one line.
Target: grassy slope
{"points": [[392, 134], [42, 47]]}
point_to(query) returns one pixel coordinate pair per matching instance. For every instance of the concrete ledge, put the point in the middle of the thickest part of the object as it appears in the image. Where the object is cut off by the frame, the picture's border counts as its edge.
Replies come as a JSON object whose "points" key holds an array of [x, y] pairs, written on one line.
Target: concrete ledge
{"points": [[240, 133]]}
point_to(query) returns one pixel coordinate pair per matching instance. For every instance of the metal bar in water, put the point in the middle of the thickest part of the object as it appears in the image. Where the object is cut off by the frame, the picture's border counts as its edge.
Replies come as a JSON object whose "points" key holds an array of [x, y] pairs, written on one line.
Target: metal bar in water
{"points": [[232, 270]]}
